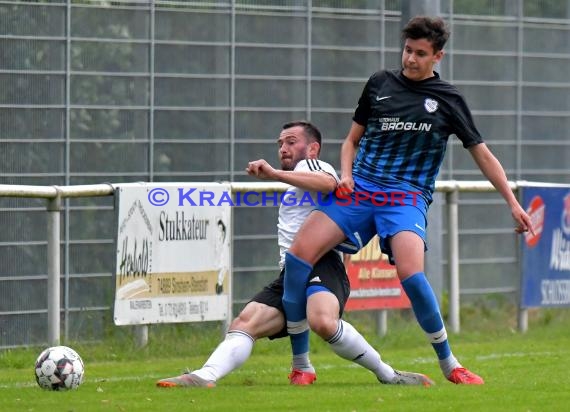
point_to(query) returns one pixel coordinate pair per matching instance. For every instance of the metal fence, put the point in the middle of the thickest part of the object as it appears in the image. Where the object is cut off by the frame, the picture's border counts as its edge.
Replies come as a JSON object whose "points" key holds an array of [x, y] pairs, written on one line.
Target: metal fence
{"points": [[55, 194], [122, 91]]}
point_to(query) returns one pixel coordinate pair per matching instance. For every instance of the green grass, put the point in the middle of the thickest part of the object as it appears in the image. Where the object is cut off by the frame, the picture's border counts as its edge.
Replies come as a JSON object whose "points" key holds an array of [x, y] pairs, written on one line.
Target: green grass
{"points": [[523, 372]]}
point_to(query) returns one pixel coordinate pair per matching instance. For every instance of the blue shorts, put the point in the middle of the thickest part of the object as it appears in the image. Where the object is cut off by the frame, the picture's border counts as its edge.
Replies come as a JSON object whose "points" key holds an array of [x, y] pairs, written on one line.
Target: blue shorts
{"points": [[372, 210]]}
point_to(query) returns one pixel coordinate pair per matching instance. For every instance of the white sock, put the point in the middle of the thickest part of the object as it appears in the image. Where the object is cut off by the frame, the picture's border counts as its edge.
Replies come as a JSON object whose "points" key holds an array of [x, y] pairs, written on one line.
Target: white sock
{"points": [[351, 345], [230, 354], [448, 364], [302, 362]]}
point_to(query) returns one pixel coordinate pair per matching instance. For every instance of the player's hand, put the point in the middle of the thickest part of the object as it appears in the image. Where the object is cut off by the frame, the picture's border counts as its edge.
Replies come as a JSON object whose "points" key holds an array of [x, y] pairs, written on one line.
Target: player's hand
{"points": [[261, 169], [524, 224], [346, 185]]}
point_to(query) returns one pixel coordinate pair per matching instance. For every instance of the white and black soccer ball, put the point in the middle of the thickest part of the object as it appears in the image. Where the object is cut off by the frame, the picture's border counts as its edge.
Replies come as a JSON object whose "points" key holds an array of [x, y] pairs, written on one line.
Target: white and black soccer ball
{"points": [[59, 368]]}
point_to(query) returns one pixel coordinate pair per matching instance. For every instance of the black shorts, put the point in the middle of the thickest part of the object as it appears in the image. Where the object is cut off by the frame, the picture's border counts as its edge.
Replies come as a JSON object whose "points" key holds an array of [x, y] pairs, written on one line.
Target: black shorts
{"points": [[332, 274]]}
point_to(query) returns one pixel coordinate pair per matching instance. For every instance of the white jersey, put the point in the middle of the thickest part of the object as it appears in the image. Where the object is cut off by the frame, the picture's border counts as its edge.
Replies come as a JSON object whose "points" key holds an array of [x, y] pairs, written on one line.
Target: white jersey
{"points": [[296, 205]]}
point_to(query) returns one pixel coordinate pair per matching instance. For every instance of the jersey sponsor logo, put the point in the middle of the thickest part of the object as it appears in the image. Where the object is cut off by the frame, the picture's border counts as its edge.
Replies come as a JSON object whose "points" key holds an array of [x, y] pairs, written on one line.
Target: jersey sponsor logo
{"points": [[430, 105], [315, 279], [405, 126], [378, 98]]}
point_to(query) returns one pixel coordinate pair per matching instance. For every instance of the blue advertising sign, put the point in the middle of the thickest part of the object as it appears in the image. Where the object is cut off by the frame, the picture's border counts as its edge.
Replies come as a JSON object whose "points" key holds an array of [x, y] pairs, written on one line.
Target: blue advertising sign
{"points": [[545, 280]]}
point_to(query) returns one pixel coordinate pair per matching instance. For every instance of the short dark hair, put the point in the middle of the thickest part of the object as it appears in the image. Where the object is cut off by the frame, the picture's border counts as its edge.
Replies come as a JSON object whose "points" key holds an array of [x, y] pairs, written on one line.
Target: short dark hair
{"points": [[311, 131], [432, 29]]}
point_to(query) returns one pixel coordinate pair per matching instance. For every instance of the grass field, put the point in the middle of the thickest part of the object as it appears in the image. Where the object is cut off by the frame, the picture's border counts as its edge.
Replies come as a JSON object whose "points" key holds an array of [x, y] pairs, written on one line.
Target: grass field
{"points": [[523, 372]]}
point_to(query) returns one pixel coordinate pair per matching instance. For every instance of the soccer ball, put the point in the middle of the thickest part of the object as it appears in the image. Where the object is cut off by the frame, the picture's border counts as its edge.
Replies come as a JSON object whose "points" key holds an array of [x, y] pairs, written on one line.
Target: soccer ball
{"points": [[59, 368]]}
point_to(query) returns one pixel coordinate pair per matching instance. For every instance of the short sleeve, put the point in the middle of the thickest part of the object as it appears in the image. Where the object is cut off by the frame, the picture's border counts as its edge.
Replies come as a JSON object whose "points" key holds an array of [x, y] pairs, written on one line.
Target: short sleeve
{"points": [[315, 165], [464, 126], [363, 110]]}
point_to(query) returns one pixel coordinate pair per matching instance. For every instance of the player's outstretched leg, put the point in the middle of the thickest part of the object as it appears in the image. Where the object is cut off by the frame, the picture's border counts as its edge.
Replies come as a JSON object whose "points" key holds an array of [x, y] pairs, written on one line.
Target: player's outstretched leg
{"points": [[426, 309], [185, 380], [408, 378], [229, 355], [349, 344]]}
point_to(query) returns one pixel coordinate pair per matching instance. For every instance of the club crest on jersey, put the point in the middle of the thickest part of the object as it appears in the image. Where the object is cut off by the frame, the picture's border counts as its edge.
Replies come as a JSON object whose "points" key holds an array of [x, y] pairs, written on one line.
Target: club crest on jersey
{"points": [[430, 105]]}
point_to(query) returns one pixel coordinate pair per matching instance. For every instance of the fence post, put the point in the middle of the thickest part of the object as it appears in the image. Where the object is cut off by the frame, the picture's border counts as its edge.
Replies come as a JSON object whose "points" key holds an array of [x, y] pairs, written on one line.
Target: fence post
{"points": [[453, 257], [53, 269], [382, 322], [141, 336], [522, 320]]}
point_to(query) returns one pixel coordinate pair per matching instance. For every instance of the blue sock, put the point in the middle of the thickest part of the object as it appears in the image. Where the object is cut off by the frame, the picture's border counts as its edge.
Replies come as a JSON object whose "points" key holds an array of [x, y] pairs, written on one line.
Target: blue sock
{"points": [[300, 342], [297, 273], [427, 313]]}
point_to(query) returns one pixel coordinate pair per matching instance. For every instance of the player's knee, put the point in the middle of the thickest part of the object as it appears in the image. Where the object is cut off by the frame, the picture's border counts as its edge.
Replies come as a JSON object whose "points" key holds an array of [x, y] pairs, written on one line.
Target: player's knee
{"points": [[323, 324], [322, 313], [238, 323], [248, 318], [259, 320], [406, 270], [307, 250], [299, 252]]}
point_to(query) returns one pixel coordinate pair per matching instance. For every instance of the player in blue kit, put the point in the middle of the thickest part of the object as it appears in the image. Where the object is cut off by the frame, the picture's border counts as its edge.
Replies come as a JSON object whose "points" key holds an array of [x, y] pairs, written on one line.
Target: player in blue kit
{"points": [[395, 147]]}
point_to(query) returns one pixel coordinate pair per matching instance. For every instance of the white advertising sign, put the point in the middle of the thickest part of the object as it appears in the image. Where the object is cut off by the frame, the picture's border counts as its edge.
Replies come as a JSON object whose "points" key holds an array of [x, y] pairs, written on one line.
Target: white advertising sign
{"points": [[173, 253]]}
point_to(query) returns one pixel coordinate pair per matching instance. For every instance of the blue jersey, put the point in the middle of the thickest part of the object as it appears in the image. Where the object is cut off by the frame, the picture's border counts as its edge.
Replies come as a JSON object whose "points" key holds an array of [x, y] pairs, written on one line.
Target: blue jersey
{"points": [[407, 126]]}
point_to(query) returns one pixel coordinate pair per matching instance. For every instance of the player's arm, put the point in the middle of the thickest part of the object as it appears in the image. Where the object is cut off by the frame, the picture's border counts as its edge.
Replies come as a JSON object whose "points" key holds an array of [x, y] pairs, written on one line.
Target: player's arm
{"points": [[347, 155], [493, 171], [315, 181]]}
